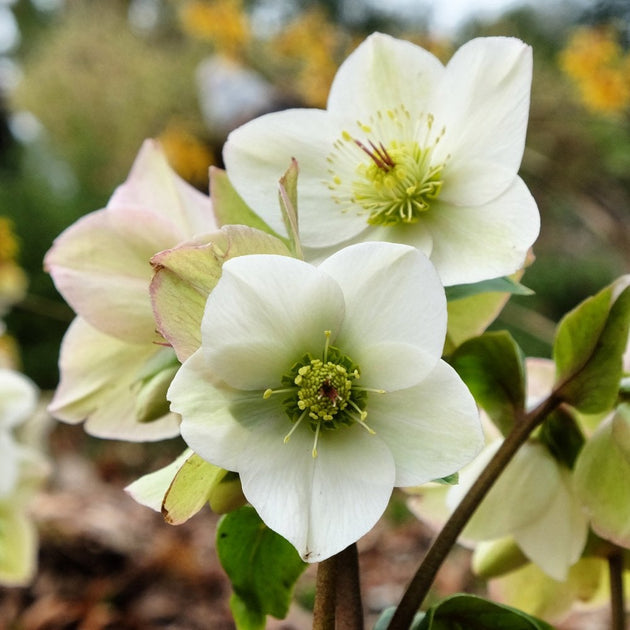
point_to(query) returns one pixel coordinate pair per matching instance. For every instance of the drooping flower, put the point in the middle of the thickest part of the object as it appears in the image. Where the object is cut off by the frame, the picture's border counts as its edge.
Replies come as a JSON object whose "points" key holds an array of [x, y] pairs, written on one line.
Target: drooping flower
{"points": [[408, 151], [323, 388], [101, 266]]}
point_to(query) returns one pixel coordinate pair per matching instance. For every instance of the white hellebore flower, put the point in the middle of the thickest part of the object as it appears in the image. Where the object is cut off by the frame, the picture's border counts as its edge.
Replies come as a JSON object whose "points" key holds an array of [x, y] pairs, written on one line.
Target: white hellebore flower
{"points": [[408, 151], [323, 388]]}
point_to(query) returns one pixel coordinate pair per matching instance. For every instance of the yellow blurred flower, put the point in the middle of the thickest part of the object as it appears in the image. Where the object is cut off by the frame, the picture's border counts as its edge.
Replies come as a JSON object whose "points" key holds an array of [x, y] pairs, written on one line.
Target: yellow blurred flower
{"points": [[13, 280], [8, 242], [187, 155], [597, 64], [224, 23]]}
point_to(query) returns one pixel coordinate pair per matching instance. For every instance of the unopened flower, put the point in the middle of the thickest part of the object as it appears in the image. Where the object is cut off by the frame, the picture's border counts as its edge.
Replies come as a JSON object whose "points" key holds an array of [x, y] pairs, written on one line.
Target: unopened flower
{"points": [[101, 266], [323, 388], [409, 151]]}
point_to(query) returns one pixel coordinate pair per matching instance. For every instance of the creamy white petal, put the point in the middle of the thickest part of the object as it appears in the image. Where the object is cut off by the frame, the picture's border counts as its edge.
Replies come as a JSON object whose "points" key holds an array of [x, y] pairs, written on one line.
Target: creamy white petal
{"points": [[101, 266], [432, 429], [321, 504], [395, 312], [153, 185], [18, 398], [217, 420], [477, 243], [265, 313], [9, 459], [257, 154], [383, 73], [556, 540], [99, 379], [483, 103]]}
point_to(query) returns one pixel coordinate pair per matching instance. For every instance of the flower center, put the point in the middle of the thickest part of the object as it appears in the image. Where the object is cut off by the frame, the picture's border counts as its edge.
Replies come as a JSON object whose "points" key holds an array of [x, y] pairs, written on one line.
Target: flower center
{"points": [[390, 174], [323, 393]]}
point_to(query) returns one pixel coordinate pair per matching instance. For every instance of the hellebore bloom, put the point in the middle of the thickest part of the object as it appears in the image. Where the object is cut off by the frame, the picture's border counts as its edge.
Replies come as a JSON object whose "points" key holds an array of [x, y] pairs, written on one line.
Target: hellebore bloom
{"points": [[101, 267], [408, 151], [323, 388]]}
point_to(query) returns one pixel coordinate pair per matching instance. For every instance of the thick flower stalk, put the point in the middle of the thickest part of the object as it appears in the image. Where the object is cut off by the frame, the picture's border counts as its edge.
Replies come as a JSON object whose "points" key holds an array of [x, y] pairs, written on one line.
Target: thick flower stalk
{"points": [[111, 357], [409, 151], [323, 388]]}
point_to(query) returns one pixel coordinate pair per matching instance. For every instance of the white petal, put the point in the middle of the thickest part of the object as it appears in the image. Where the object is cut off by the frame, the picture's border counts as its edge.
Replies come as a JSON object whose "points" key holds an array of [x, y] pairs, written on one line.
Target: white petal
{"points": [[432, 429], [483, 102], [101, 266], [257, 154], [383, 73], [483, 242], [555, 541], [98, 373], [265, 313], [9, 460], [18, 398], [153, 185], [321, 504], [520, 496], [208, 411], [395, 312]]}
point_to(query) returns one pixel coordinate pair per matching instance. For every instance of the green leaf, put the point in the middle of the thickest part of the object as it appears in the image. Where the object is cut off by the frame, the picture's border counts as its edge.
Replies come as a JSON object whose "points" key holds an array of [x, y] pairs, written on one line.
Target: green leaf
{"points": [[470, 612], [262, 566], [562, 436], [495, 285], [228, 205], [492, 367], [288, 207], [588, 349]]}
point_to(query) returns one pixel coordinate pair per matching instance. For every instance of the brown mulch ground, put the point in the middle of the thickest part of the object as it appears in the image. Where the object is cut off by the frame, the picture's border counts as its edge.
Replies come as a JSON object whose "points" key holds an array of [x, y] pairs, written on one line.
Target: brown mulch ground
{"points": [[107, 563]]}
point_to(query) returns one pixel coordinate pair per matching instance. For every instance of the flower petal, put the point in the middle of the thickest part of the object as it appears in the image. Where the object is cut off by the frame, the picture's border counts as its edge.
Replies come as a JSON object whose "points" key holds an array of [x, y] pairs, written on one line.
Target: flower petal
{"points": [[18, 398], [101, 267], [153, 185], [18, 540], [98, 374], [483, 103], [489, 241], [264, 314], [258, 153], [432, 429], [319, 504], [383, 73], [395, 312], [9, 463]]}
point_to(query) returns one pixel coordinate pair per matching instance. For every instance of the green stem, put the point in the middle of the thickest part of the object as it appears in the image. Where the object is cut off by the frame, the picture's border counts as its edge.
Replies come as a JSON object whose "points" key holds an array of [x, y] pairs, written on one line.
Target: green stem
{"points": [[325, 595], [444, 541], [617, 605], [349, 607]]}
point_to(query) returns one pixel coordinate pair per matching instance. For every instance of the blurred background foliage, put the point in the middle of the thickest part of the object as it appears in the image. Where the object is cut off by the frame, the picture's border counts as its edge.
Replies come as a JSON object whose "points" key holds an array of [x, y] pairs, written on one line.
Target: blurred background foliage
{"points": [[83, 82]]}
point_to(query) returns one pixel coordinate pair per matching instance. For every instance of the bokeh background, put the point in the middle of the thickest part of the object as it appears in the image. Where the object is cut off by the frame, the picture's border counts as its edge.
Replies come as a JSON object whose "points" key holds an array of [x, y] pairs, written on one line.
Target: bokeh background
{"points": [[84, 82]]}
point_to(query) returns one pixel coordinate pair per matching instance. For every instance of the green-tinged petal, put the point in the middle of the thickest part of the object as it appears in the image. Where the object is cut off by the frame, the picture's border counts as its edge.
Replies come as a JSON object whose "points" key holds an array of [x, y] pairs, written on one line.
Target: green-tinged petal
{"points": [[18, 546], [208, 413], [99, 377], [265, 313], [432, 429], [319, 504], [395, 312], [483, 103], [494, 558], [602, 478], [519, 497], [8, 463], [149, 490], [185, 275], [555, 540], [18, 398], [535, 593], [101, 266], [383, 73], [488, 241], [257, 154], [152, 184]]}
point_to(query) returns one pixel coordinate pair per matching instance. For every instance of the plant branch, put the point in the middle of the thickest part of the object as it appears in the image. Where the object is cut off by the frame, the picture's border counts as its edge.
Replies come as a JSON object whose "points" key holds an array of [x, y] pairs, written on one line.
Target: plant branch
{"points": [[617, 605], [349, 607], [325, 595], [444, 541]]}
